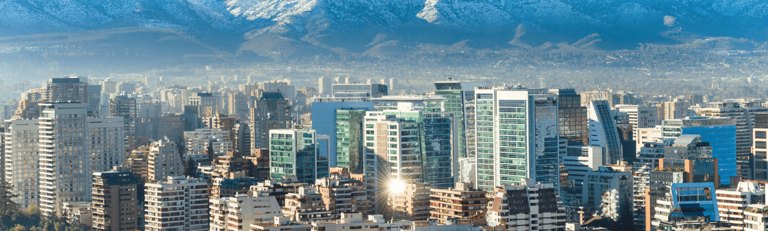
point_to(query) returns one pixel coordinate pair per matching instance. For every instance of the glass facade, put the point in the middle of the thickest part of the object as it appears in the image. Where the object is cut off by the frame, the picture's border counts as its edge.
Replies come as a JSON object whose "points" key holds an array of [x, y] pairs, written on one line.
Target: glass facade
{"points": [[324, 122], [293, 154], [349, 139], [722, 138], [694, 200]]}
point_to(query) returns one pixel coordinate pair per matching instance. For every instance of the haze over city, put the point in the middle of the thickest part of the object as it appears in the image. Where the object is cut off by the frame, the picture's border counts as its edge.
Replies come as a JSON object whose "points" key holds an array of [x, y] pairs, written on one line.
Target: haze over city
{"points": [[383, 115]]}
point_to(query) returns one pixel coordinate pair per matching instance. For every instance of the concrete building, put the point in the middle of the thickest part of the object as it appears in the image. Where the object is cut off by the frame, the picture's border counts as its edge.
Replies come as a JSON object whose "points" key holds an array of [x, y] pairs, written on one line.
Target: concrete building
{"points": [[106, 140], [408, 201], [756, 218], [526, 206], [20, 157], [204, 144], [639, 117], [732, 202], [461, 204], [306, 204], [271, 111], [65, 171], [116, 201], [760, 147], [238, 213], [342, 194], [164, 160], [176, 203]]}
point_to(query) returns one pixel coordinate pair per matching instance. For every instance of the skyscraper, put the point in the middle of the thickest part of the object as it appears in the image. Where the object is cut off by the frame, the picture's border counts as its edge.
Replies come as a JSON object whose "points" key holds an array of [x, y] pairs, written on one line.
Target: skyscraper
{"points": [[454, 105], [106, 143], [760, 147], [349, 140], [64, 159], [325, 121], [505, 131], [572, 116], [603, 132], [21, 160], [271, 111]]}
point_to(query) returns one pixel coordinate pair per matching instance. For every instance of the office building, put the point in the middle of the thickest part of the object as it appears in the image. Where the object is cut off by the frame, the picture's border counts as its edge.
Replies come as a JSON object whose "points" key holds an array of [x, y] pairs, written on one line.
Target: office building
{"points": [[329, 115], [760, 147], [504, 138], [603, 132], [117, 200], [271, 111], [454, 104], [293, 155], [176, 203], [359, 90], [349, 140], [742, 111], [639, 117], [719, 132], [572, 116], [686, 201]]}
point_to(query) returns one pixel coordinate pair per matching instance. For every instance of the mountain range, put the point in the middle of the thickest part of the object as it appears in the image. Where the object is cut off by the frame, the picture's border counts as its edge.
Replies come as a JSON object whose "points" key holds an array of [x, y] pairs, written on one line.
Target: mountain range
{"points": [[276, 29]]}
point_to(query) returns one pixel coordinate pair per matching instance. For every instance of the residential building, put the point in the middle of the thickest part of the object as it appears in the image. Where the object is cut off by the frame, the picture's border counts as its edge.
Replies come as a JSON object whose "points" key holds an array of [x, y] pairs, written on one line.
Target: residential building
{"points": [[176, 203]]}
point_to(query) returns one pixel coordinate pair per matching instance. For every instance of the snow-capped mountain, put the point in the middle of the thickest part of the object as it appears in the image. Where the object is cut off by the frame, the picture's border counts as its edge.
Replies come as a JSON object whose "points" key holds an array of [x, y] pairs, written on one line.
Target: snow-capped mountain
{"points": [[360, 27]]}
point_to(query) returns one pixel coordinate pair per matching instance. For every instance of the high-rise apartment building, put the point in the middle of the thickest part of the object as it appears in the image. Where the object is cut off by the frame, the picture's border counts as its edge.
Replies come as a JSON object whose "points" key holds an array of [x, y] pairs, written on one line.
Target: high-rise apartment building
{"points": [[21, 160], [65, 171], [106, 140], [116, 201], [164, 160], [526, 206], [207, 143], [238, 213], [732, 202], [176, 203]]}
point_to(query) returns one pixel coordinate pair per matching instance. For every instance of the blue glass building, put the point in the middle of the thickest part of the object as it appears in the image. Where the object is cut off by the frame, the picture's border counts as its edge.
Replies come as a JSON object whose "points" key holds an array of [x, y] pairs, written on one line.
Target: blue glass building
{"points": [[694, 200], [720, 133], [324, 122]]}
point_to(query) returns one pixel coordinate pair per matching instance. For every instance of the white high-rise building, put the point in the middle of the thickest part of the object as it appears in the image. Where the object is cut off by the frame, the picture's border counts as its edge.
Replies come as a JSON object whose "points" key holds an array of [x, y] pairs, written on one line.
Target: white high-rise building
{"points": [[107, 143], [603, 132], [65, 174], [21, 160], [239, 212], [176, 203], [164, 160]]}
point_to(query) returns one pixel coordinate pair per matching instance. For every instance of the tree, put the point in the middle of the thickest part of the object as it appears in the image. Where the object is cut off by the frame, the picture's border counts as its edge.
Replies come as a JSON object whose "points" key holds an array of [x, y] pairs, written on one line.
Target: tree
{"points": [[8, 207]]}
